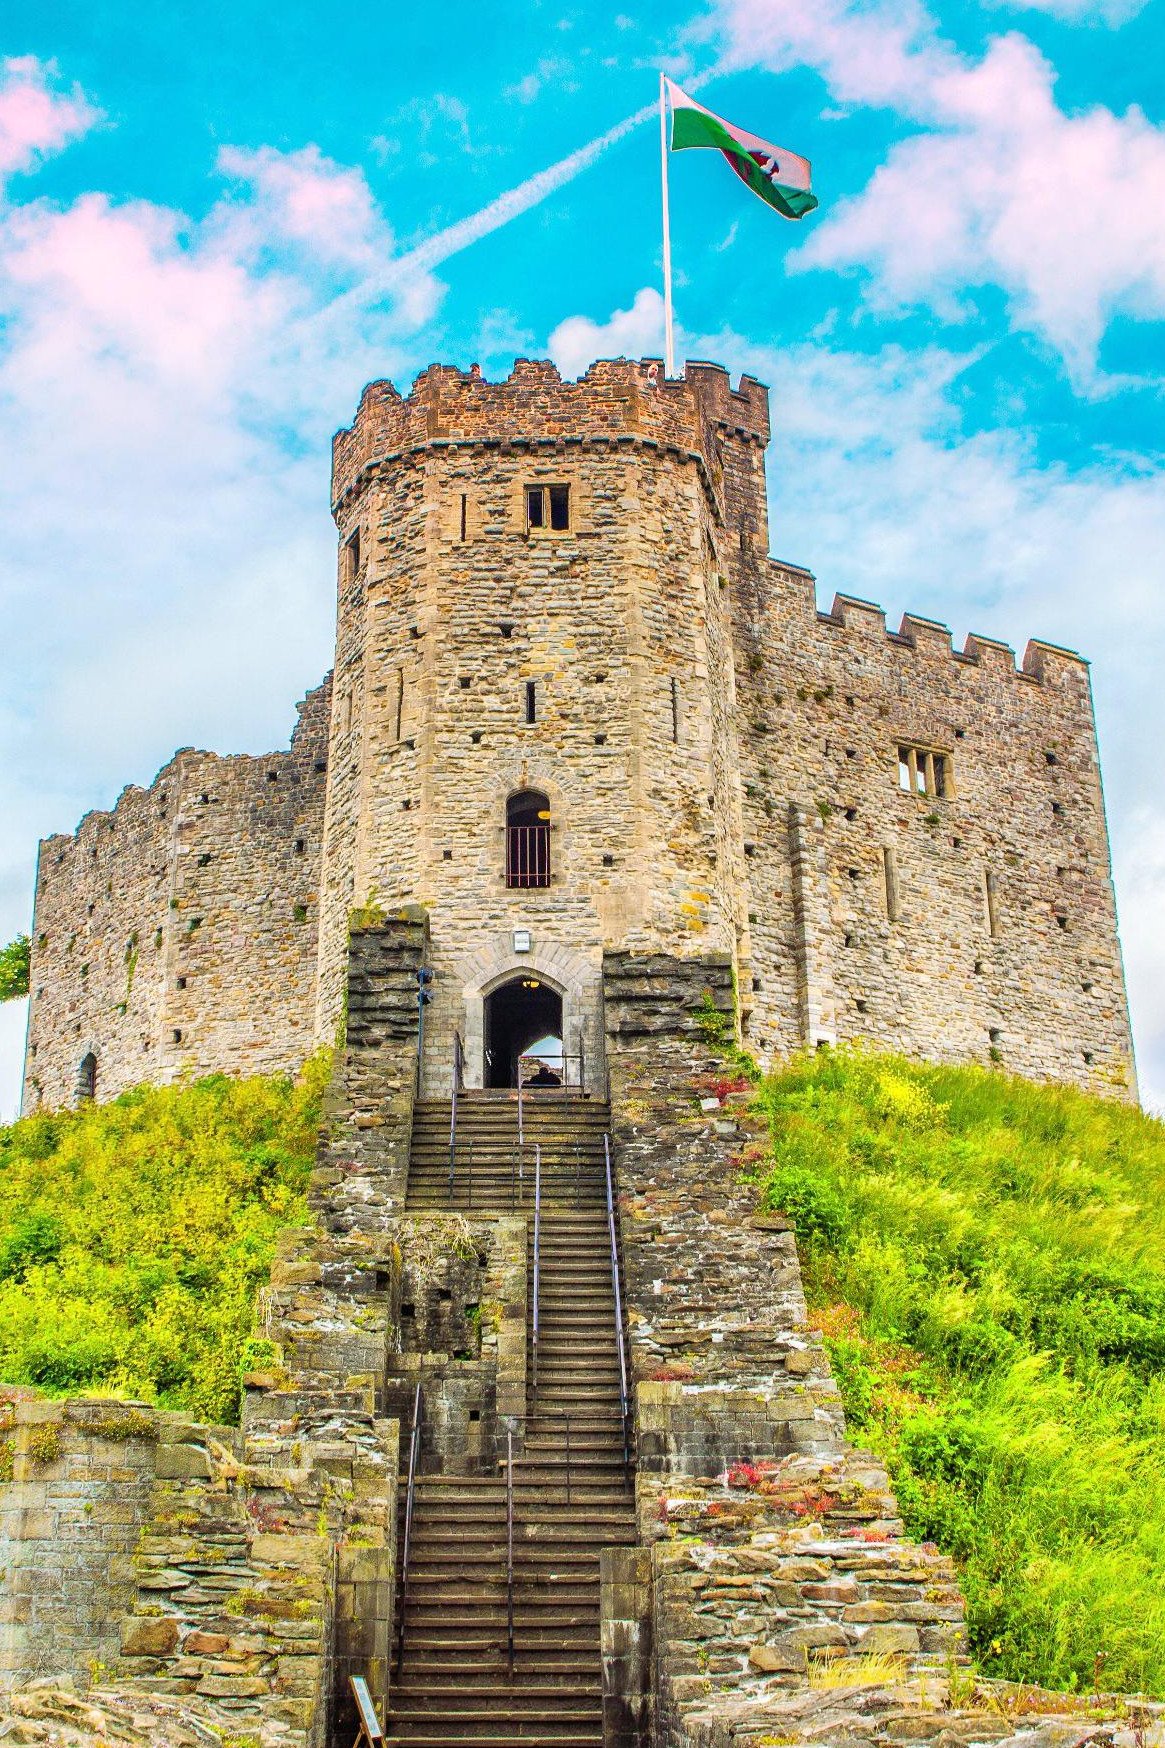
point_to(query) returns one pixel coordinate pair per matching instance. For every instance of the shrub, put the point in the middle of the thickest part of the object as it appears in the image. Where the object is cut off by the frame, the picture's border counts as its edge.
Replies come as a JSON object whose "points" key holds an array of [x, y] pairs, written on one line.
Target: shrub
{"points": [[134, 1236], [14, 967]]}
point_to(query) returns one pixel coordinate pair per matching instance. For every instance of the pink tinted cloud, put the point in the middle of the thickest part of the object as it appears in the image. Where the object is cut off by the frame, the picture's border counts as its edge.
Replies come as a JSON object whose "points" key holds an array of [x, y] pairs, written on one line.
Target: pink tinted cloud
{"points": [[309, 201], [34, 119]]}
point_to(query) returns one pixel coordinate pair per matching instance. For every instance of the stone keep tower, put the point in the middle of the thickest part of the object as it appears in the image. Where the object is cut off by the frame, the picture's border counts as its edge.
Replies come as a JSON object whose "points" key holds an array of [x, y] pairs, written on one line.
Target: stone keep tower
{"points": [[533, 726]]}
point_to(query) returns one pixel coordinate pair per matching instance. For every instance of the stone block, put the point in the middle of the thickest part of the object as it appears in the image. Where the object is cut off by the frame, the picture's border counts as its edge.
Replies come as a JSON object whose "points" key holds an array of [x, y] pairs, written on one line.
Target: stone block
{"points": [[781, 1657], [183, 1462], [888, 1641], [149, 1636]]}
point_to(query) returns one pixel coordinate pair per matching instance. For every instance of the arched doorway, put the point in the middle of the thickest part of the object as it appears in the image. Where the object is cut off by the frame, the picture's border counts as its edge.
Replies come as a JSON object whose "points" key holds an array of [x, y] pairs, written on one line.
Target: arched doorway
{"points": [[522, 1011]]}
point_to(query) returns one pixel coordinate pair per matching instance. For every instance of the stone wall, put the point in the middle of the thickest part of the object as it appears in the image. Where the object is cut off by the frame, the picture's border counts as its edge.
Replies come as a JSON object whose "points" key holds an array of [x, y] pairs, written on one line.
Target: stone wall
{"points": [[1032, 977], [774, 1546], [201, 1563], [177, 934], [721, 758]]}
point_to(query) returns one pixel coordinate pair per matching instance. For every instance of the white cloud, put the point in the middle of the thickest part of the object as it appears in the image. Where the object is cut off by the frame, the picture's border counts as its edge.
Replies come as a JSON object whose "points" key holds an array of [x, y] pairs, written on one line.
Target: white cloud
{"points": [[634, 333], [306, 200], [1006, 188]]}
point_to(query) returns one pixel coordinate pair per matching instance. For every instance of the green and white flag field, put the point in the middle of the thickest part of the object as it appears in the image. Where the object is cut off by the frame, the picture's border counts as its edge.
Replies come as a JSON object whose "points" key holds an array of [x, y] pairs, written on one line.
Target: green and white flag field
{"points": [[781, 178]]}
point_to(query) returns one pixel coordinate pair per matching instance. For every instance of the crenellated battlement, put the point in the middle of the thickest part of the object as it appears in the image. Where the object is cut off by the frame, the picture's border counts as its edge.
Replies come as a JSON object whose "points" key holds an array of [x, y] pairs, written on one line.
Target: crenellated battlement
{"points": [[616, 400], [1042, 662]]}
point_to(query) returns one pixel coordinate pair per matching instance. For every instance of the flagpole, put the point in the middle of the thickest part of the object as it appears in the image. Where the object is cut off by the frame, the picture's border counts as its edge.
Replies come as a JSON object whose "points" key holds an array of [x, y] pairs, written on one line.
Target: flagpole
{"points": [[669, 339]]}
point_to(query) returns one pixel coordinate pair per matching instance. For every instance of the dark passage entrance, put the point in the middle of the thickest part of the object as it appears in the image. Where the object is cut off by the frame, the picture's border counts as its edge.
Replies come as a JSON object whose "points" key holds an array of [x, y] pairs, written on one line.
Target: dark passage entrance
{"points": [[519, 1013]]}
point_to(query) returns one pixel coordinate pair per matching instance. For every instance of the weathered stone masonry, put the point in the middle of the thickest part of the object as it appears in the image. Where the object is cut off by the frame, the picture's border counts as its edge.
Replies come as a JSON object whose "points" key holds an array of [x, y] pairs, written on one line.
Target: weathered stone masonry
{"points": [[177, 933]]}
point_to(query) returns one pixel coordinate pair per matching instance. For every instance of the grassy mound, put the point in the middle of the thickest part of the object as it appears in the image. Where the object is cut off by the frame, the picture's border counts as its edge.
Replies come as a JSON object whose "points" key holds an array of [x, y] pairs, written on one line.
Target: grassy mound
{"points": [[134, 1236], [987, 1259]]}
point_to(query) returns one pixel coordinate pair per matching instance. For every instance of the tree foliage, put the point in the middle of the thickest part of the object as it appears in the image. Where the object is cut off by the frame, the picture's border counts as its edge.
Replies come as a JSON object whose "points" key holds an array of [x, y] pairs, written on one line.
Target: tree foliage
{"points": [[987, 1259], [14, 963], [134, 1236]]}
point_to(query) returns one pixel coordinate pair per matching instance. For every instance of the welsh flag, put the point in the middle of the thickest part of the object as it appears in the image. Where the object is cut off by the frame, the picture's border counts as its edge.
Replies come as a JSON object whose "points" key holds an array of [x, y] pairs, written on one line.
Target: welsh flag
{"points": [[780, 178]]}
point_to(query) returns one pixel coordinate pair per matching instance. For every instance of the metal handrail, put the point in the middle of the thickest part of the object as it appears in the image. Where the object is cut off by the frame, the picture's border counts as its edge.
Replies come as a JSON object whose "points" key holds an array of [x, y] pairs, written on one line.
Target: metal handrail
{"points": [[414, 1450], [537, 1250], [458, 1060], [510, 1546], [560, 1060], [623, 1397]]}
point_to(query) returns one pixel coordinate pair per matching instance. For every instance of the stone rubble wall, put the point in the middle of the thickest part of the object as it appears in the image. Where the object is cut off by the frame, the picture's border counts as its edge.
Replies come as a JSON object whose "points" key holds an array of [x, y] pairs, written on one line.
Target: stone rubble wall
{"points": [[177, 934], [181, 1561], [621, 625]]}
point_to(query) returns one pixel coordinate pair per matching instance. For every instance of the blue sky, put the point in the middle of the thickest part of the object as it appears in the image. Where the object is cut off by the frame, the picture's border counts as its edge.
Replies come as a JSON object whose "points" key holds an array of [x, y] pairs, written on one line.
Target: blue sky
{"points": [[217, 223]]}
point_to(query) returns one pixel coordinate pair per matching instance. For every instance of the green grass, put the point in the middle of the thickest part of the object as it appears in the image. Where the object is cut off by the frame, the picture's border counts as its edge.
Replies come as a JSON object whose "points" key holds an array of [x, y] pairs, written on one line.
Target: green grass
{"points": [[987, 1260], [135, 1235]]}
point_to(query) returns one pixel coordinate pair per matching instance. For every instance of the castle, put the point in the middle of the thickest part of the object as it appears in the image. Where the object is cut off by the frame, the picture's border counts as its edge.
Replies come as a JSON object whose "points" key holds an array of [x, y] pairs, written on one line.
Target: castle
{"points": [[537, 1440], [576, 706]]}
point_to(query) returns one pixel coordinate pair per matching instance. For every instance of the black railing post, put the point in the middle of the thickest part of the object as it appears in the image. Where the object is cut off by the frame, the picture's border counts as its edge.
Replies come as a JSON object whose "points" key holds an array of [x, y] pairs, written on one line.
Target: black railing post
{"points": [[414, 1452], [623, 1396], [537, 1258], [453, 1108], [510, 1546]]}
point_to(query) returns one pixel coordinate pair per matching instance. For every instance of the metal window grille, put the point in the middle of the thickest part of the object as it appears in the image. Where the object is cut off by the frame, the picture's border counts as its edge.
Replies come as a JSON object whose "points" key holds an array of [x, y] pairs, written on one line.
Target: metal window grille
{"points": [[528, 855]]}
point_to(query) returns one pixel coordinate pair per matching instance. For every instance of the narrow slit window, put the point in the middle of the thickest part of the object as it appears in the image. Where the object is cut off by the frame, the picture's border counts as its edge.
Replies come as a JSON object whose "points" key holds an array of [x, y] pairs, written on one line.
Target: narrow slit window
{"points": [[890, 877], [400, 701], [675, 711], [464, 515], [352, 555], [531, 702], [991, 902]]}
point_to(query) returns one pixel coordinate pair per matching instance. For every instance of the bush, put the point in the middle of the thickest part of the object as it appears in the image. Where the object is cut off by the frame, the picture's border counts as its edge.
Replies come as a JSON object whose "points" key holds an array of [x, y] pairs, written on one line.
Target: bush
{"points": [[987, 1259], [15, 959], [135, 1235]]}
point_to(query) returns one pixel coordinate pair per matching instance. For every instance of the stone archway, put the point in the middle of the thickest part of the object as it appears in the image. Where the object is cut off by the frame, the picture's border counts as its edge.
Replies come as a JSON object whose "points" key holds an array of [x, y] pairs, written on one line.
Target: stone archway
{"points": [[574, 977]]}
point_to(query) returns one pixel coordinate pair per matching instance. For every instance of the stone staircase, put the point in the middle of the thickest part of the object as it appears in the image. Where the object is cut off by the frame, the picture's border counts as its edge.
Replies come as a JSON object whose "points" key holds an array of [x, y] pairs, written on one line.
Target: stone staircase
{"points": [[572, 1490]]}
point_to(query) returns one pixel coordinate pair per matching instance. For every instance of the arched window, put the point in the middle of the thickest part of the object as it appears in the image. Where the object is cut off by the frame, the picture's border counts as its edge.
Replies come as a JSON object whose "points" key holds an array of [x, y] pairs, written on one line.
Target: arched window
{"points": [[87, 1080], [528, 839]]}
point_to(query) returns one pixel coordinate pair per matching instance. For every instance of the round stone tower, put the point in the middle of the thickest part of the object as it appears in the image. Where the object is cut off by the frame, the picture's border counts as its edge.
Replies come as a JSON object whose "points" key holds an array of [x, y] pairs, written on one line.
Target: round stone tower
{"points": [[533, 717]]}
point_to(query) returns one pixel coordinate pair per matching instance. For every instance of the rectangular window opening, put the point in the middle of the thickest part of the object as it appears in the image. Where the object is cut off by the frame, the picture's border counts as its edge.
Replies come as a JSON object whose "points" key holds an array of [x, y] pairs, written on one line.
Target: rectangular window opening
{"points": [[548, 507], [531, 702], [352, 555], [923, 771]]}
